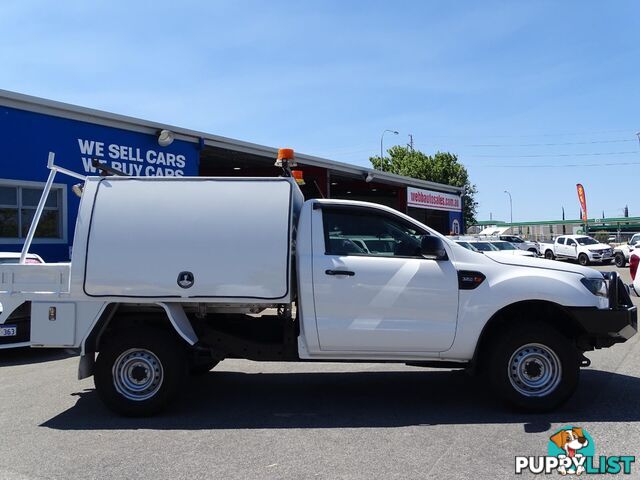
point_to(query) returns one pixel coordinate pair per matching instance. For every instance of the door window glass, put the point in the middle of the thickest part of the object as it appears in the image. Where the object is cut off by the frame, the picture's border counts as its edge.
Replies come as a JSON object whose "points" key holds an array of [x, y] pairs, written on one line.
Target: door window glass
{"points": [[367, 232]]}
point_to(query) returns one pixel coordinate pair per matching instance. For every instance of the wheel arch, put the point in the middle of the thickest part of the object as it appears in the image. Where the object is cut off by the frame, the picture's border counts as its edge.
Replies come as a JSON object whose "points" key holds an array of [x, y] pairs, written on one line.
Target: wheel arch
{"points": [[117, 315], [541, 311]]}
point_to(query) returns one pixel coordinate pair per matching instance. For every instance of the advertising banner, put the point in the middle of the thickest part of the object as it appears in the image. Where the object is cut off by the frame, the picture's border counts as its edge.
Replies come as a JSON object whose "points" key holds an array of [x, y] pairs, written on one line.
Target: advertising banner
{"points": [[419, 198], [583, 201], [31, 136], [27, 139]]}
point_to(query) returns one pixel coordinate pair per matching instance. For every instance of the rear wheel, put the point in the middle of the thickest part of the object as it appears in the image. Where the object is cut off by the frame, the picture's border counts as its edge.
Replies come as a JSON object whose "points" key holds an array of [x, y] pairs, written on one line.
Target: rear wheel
{"points": [[583, 259], [620, 260], [533, 367], [140, 371], [549, 255]]}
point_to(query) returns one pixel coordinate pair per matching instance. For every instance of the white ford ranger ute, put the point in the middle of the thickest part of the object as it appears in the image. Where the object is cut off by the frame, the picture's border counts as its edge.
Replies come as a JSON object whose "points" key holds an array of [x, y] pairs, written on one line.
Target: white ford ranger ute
{"points": [[172, 275]]}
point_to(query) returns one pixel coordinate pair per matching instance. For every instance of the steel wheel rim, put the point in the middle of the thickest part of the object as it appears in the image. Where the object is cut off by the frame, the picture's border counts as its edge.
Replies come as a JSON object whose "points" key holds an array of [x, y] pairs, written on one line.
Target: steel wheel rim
{"points": [[534, 370], [137, 374]]}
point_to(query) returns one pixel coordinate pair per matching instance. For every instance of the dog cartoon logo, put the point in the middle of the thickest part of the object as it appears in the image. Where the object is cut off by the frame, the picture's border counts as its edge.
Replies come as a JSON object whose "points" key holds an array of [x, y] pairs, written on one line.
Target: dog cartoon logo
{"points": [[571, 451], [571, 443]]}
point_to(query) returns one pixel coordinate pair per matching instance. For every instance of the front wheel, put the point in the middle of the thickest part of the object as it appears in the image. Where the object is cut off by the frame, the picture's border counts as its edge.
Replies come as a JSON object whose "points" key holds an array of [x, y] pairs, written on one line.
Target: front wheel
{"points": [[583, 259], [140, 371], [533, 367], [620, 260], [548, 255]]}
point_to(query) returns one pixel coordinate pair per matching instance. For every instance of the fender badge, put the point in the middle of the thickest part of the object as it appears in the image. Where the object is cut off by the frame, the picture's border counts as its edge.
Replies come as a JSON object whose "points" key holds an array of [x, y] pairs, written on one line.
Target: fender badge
{"points": [[185, 280]]}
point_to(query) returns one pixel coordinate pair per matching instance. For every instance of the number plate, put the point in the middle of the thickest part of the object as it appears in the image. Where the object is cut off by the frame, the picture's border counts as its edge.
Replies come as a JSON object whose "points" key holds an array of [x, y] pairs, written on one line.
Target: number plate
{"points": [[8, 331]]}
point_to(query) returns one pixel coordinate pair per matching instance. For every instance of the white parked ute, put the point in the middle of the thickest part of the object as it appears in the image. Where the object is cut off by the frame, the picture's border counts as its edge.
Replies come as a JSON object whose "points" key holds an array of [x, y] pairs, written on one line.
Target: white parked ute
{"points": [[168, 274], [525, 245], [622, 252], [16, 334], [582, 248]]}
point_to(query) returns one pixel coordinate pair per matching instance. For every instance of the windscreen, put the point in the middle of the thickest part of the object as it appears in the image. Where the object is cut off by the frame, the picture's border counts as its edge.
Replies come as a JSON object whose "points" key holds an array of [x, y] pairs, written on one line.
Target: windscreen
{"points": [[503, 246], [484, 246], [586, 241], [468, 246]]}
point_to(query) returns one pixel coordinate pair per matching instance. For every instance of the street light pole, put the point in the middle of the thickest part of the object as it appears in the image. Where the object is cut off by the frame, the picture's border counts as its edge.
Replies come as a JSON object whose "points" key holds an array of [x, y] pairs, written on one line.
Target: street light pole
{"points": [[510, 205], [381, 148]]}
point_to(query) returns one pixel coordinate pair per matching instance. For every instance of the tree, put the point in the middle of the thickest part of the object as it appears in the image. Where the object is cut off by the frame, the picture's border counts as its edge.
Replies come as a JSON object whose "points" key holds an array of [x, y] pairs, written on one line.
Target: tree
{"points": [[443, 167]]}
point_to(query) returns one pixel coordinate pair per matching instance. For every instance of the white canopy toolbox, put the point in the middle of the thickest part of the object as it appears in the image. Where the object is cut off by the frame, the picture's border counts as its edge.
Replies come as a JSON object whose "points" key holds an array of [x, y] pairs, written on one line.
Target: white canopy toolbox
{"points": [[223, 238]]}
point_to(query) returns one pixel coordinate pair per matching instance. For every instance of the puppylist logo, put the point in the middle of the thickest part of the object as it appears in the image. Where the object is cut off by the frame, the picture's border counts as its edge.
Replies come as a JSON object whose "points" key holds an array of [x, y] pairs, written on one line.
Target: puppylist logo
{"points": [[571, 451]]}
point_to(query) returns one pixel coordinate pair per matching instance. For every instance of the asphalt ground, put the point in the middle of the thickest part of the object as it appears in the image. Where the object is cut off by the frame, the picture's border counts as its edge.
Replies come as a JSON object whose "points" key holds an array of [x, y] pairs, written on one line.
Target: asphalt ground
{"points": [[248, 420]]}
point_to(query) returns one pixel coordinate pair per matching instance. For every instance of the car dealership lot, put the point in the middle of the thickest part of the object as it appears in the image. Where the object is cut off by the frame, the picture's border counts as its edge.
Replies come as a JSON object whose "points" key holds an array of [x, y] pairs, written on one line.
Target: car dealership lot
{"points": [[314, 420]]}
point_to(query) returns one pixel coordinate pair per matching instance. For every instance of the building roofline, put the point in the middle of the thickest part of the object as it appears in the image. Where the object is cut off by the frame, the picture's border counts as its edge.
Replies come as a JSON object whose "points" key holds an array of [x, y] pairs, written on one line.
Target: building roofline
{"points": [[75, 112], [591, 221]]}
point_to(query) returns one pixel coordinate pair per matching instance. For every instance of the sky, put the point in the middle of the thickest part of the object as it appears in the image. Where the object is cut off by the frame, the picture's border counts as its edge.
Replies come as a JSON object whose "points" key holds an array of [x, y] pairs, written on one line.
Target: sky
{"points": [[533, 97]]}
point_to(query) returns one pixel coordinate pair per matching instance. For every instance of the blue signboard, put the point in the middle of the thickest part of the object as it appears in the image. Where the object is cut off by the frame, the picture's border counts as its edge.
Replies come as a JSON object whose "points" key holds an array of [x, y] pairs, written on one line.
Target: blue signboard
{"points": [[28, 138], [456, 226]]}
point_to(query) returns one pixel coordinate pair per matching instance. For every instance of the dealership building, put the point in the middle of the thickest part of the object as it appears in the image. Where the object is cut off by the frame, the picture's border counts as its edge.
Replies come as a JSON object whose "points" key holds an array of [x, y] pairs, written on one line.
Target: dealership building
{"points": [[32, 127]]}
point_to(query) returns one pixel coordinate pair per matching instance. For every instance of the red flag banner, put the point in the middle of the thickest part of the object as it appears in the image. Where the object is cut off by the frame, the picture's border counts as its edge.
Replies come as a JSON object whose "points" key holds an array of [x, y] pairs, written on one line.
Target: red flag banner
{"points": [[583, 201]]}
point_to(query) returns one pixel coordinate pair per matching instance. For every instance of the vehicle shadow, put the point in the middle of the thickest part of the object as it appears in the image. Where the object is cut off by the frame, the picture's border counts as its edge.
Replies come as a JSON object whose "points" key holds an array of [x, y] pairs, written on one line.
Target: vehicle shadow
{"points": [[27, 355], [231, 400]]}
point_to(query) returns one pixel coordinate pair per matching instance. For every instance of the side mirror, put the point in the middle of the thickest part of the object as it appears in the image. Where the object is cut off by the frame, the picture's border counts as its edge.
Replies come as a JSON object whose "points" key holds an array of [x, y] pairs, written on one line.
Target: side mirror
{"points": [[432, 248]]}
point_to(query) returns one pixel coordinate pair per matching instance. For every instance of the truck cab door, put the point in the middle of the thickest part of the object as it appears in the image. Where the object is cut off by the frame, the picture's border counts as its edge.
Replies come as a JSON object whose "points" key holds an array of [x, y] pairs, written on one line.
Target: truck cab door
{"points": [[560, 247], [373, 291]]}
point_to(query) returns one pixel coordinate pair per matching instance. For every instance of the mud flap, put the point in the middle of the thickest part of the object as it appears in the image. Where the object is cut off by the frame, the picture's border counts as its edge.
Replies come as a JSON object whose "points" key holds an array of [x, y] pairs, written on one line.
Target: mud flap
{"points": [[85, 367]]}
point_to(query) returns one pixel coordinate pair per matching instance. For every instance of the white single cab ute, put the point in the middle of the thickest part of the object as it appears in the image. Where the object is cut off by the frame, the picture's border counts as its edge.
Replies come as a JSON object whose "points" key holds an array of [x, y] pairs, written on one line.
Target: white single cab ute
{"points": [[172, 275]]}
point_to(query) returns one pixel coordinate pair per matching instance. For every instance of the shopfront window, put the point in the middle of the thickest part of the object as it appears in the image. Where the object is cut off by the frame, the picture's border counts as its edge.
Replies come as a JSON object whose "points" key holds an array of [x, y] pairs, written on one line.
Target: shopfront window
{"points": [[18, 203]]}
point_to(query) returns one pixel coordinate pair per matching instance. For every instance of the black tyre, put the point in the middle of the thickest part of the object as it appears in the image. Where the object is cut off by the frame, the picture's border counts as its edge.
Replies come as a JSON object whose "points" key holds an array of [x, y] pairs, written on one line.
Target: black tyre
{"points": [[620, 260], [140, 371], [549, 255], [583, 259], [533, 367], [203, 368]]}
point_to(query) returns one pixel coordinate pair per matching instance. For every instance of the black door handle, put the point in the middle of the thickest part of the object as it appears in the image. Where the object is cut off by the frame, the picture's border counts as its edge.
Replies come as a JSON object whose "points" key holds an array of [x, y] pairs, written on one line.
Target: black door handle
{"points": [[340, 272]]}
